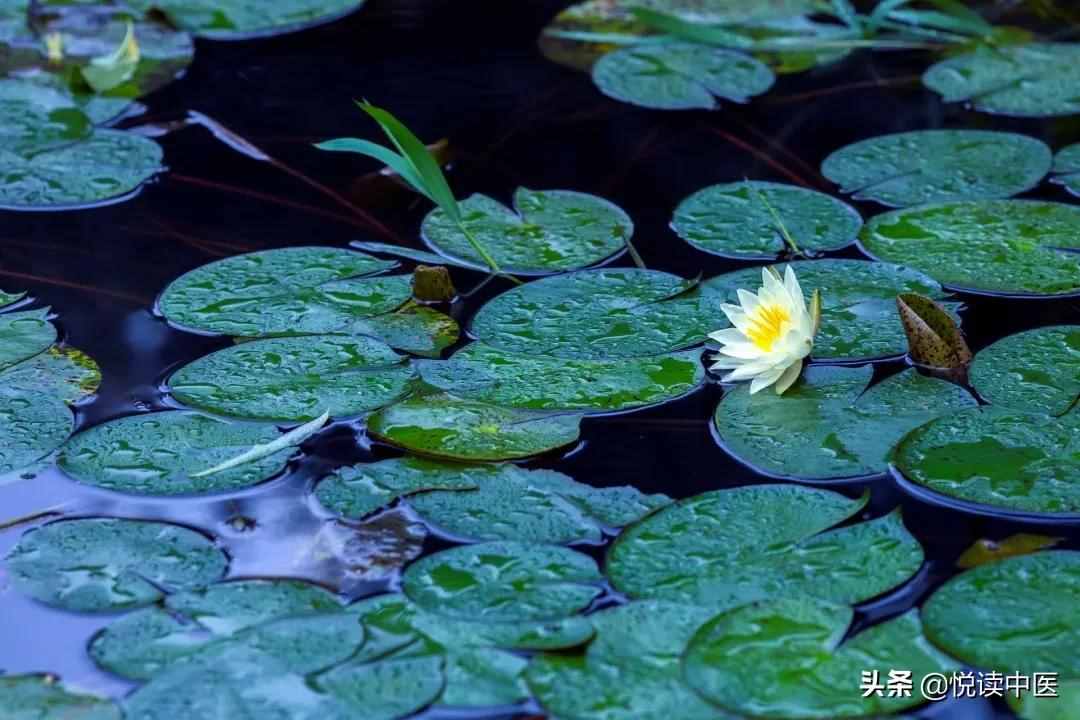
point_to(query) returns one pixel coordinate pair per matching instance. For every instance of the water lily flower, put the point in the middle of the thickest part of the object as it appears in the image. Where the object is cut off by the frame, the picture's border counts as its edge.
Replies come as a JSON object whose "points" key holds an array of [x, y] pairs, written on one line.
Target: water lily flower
{"points": [[773, 332]]}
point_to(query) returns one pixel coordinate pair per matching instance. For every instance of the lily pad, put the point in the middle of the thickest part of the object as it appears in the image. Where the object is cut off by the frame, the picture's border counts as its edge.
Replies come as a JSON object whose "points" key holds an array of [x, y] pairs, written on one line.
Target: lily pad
{"points": [[1031, 80], [103, 565], [541, 506], [1001, 247], [246, 19], [785, 659], [32, 426], [44, 697], [386, 689], [443, 426], [1064, 704], [1067, 168], [829, 425], [7, 298], [226, 608], [288, 291], [720, 549], [631, 671], [928, 166], [503, 582], [35, 117], [1009, 460], [486, 374], [1037, 370], [597, 314], [295, 379], [159, 454], [61, 372], [547, 231], [24, 335], [413, 328], [1016, 615], [731, 220], [858, 303], [680, 76]]}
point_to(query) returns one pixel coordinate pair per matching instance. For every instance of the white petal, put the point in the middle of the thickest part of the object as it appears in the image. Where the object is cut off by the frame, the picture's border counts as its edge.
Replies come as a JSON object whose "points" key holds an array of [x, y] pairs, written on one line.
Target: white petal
{"points": [[756, 367], [748, 300], [763, 381], [788, 378], [735, 316], [729, 336], [742, 350], [791, 284]]}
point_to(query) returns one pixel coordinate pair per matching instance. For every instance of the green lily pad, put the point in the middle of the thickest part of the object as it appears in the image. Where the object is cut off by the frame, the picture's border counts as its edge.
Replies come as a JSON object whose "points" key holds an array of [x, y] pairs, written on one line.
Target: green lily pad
{"points": [[7, 298], [484, 677], [246, 19], [159, 453], [631, 671], [829, 425], [226, 608], [1015, 615], [97, 565], [1067, 168], [1037, 370], [61, 372], [727, 11], [23, 335], [597, 314], [35, 117], [288, 291], [503, 582], [928, 166], [858, 303], [33, 425], [541, 506], [1001, 247], [731, 220], [720, 549], [486, 374], [413, 328], [1064, 704], [1031, 80], [680, 76], [386, 689], [785, 659], [295, 379], [547, 231], [44, 697], [999, 458], [446, 427]]}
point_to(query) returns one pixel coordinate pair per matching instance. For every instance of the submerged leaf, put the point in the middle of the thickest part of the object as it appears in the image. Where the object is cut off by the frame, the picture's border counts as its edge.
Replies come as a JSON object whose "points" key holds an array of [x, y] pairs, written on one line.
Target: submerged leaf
{"points": [[934, 337], [987, 551]]}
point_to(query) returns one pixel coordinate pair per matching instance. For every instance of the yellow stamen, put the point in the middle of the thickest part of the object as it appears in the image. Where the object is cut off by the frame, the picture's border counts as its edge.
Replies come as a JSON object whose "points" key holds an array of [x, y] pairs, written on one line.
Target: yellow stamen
{"points": [[767, 325]]}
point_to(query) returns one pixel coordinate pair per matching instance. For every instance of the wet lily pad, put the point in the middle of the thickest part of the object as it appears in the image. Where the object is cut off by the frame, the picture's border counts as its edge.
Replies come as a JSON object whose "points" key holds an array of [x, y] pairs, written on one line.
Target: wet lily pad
{"points": [[596, 314], [413, 328], [1031, 80], [1010, 460], [829, 425], [44, 697], [35, 117], [719, 549], [295, 379], [503, 582], [443, 426], [226, 608], [727, 11], [1037, 370], [1063, 705], [547, 231], [486, 374], [61, 372], [1002, 247], [631, 671], [32, 426], [289, 291], [928, 166], [858, 303], [731, 220], [785, 659], [541, 506], [680, 76], [96, 565], [245, 19], [24, 335], [158, 454], [1016, 615], [386, 689], [1067, 168]]}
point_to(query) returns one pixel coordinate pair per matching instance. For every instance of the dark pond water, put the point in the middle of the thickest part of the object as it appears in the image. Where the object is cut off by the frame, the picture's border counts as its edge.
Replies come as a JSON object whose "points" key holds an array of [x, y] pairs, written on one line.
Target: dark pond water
{"points": [[470, 72]]}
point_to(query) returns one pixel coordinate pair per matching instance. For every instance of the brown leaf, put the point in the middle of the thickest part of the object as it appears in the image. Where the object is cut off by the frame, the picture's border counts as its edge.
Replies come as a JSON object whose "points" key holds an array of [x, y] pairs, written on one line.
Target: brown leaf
{"points": [[934, 340], [987, 551]]}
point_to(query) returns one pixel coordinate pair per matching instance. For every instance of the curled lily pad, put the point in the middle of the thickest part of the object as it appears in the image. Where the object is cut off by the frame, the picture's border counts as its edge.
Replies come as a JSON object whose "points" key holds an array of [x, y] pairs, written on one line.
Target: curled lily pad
{"points": [[680, 76], [1002, 247], [246, 19], [934, 337], [631, 671], [289, 291], [547, 231], [719, 549], [733, 220], [161, 454], [1030, 80], [1016, 615], [487, 374], [595, 314], [44, 697], [503, 582], [1037, 370], [829, 425], [24, 335], [1023, 462], [785, 659], [96, 565], [858, 303], [295, 379], [443, 426], [928, 166], [1067, 168]]}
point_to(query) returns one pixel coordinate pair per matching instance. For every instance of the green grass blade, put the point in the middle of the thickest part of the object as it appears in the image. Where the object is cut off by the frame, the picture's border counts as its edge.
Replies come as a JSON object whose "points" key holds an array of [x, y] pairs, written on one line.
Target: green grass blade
{"points": [[695, 32], [386, 156]]}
